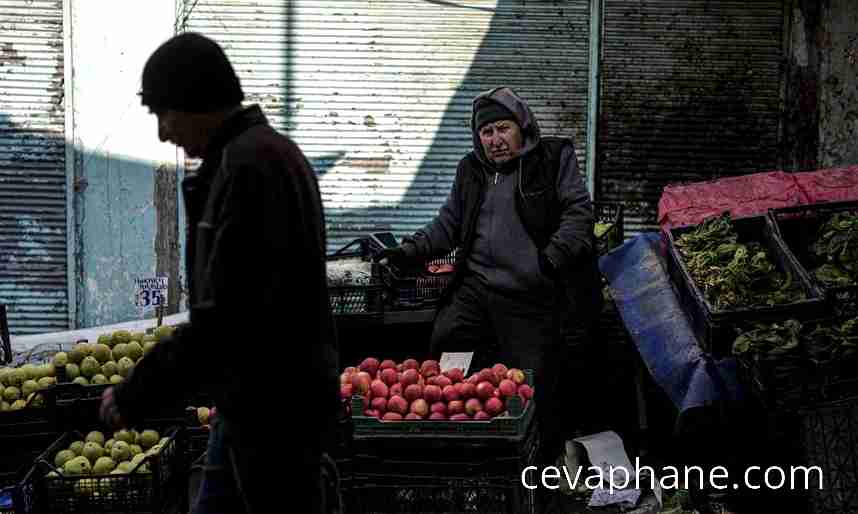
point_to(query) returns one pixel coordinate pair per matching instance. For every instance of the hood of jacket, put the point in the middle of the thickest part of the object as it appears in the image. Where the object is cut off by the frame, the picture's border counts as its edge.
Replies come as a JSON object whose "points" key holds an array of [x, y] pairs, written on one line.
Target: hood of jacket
{"points": [[524, 117]]}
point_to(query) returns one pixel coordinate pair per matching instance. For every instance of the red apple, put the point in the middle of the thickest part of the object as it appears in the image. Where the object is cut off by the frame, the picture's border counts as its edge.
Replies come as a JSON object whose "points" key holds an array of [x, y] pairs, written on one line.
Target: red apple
{"points": [[442, 381], [379, 389], [395, 390], [460, 417], [468, 390], [439, 416], [410, 364], [485, 390], [379, 404], [412, 417], [450, 393], [360, 383], [409, 376], [487, 375], [439, 407], [387, 364], [473, 406], [454, 374], [369, 365], [371, 413], [413, 392], [516, 375], [388, 376], [500, 370], [399, 368], [430, 381], [420, 407], [392, 416], [526, 392], [397, 404], [482, 416], [427, 365], [430, 373], [345, 391], [432, 393], [455, 407], [494, 407], [507, 387], [473, 379], [351, 370], [346, 378]]}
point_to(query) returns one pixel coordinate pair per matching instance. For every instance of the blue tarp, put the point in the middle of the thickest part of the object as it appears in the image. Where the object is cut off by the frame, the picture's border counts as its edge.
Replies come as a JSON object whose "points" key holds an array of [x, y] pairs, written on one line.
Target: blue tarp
{"points": [[659, 327]]}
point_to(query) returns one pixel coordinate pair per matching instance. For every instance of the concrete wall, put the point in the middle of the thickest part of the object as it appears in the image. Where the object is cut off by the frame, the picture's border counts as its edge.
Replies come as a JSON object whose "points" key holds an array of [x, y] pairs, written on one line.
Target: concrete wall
{"points": [[838, 84], [125, 184]]}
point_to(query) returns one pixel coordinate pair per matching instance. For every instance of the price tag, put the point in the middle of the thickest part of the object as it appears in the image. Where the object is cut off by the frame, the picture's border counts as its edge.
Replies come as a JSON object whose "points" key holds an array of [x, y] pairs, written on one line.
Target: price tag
{"points": [[461, 360], [151, 293]]}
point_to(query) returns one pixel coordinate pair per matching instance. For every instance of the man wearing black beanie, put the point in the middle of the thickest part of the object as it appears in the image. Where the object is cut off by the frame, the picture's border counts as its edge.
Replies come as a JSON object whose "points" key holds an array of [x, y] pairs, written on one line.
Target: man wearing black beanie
{"points": [[255, 265], [522, 222]]}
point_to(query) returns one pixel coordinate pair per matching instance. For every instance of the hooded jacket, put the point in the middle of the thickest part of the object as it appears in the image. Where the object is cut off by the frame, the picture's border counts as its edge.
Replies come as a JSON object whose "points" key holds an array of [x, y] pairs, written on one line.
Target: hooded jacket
{"points": [[550, 201]]}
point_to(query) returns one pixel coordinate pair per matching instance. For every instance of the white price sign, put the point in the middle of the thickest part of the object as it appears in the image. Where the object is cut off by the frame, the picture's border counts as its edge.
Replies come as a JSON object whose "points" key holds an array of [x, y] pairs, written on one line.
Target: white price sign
{"points": [[461, 360], [151, 292]]}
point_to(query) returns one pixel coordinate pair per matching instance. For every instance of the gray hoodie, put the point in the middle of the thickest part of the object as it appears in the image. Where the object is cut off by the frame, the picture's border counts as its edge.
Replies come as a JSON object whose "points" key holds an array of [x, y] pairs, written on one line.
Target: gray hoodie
{"points": [[503, 255]]}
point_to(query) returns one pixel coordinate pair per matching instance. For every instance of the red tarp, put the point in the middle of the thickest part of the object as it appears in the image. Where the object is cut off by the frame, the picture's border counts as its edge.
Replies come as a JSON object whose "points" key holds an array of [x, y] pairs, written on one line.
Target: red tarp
{"points": [[747, 195]]}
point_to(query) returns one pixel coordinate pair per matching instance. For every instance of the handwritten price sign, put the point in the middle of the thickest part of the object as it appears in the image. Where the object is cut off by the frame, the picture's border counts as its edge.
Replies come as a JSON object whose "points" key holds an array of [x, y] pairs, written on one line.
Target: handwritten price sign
{"points": [[151, 292]]}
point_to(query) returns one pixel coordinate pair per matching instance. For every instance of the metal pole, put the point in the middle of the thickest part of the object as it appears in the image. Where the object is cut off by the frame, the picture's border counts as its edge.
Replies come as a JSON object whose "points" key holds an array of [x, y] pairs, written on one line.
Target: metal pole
{"points": [[593, 96]]}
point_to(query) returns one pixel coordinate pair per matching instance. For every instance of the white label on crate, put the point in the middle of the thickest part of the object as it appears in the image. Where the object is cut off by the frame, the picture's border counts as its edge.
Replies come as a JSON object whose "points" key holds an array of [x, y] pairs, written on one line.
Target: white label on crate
{"points": [[461, 360], [151, 293]]}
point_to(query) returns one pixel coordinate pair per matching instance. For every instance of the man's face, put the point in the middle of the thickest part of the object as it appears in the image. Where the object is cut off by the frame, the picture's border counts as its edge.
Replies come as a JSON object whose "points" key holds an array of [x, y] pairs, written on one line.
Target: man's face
{"points": [[501, 140], [182, 129]]}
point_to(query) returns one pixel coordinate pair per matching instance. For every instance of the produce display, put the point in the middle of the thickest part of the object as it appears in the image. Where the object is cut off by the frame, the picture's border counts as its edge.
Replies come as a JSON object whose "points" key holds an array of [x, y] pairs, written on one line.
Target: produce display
{"points": [[731, 274], [835, 251], [352, 271], [125, 452], [792, 359], [107, 361], [414, 391], [788, 341]]}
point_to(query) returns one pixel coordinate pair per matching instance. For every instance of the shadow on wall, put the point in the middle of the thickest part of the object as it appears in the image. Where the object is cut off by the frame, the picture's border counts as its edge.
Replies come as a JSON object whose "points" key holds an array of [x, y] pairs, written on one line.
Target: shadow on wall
{"points": [[538, 49]]}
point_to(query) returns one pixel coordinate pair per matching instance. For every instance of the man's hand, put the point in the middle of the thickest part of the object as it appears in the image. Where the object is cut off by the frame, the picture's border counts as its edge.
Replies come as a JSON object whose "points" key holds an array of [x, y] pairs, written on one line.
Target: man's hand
{"points": [[391, 256], [109, 411], [546, 266]]}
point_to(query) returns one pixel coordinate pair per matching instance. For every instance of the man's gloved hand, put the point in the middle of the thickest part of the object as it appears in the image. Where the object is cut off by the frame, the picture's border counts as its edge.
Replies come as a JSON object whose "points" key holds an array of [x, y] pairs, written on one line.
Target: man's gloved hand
{"points": [[397, 256]]}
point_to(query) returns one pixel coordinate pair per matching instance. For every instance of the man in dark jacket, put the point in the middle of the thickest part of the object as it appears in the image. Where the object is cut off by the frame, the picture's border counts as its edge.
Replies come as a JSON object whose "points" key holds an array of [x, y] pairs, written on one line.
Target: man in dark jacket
{"points": [[261, 340], [521, 218]]}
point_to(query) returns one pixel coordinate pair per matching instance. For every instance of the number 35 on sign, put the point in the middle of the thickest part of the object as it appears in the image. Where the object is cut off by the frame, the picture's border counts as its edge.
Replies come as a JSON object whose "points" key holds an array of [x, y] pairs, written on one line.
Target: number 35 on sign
{"points": [[151, 292]]}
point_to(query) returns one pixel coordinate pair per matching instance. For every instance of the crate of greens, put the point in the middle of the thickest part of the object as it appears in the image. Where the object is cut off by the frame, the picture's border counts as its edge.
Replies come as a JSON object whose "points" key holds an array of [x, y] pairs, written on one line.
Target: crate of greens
{"points": [[789, 364], [731, 271], [824, 239]]}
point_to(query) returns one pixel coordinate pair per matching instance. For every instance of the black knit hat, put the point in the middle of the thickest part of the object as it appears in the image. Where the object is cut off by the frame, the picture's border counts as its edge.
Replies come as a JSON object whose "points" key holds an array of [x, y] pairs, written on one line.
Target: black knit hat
{"points": [[489, 111], [190, 73]]}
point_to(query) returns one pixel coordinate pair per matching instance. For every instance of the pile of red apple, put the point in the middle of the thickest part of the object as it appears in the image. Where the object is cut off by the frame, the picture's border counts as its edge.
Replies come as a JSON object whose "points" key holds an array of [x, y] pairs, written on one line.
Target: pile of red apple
{"points": [[420, 391]]}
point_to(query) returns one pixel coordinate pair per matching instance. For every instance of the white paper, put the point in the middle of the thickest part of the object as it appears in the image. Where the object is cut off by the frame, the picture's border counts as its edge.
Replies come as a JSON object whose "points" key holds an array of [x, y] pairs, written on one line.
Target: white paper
{"points": [[606, 451], [461, 360]]}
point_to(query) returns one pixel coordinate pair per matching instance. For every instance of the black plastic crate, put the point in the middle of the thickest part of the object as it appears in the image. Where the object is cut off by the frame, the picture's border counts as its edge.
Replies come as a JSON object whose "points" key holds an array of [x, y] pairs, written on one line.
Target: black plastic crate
{"points": [[416, 287], [357, 299], [398, 475], [799, 227], [809, 383], [160, 491], [609, 213], [829, 436], [716, 329]]}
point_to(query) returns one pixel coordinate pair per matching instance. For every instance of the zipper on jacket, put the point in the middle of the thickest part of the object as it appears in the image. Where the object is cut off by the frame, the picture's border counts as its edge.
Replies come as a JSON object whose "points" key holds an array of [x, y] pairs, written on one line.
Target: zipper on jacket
{"points": [[496, 177]]}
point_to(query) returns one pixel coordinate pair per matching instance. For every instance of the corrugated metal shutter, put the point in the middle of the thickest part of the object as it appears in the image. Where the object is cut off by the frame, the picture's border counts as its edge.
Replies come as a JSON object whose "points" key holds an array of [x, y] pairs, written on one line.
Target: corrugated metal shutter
{"points": [[690, 91], [378, 93], [33, 257]]}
